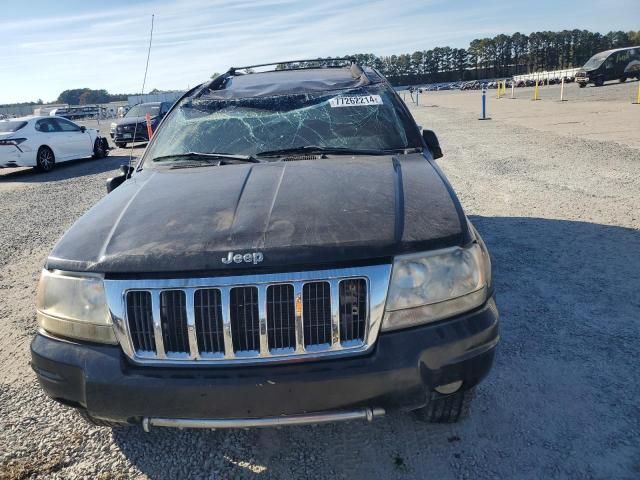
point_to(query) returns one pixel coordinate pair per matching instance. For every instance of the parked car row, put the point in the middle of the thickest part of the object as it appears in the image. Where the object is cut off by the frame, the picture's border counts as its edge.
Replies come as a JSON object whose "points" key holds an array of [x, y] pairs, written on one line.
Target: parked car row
{"points": [[618, 64], [43, 141], [488, 83]]}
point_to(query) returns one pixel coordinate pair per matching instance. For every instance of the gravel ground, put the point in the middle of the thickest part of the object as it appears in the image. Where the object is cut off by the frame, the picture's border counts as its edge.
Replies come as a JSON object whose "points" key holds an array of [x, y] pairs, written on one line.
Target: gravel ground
{"points": [[560, 216]]}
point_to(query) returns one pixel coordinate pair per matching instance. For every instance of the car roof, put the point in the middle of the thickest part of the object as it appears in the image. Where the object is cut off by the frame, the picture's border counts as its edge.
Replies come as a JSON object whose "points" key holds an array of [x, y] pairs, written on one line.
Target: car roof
{"points": [[614, 50], [291, 81]]}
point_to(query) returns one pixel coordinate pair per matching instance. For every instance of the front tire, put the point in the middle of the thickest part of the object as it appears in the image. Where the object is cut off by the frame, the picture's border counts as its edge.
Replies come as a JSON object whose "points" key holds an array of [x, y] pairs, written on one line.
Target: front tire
{"points": [[623, 79], [45, 159], [446, 409], [121, 144], [599, 82], [582, 85], [97, 422]]}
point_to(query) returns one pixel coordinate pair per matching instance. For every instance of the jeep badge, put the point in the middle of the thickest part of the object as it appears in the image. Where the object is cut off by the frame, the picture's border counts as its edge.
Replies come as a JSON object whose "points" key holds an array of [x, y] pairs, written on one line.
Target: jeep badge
{"points": [[254, 258]]}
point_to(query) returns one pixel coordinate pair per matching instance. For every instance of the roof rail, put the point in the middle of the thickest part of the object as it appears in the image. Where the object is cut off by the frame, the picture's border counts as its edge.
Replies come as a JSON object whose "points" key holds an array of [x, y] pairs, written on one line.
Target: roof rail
{"points": [[219, 81], [351, 61]]}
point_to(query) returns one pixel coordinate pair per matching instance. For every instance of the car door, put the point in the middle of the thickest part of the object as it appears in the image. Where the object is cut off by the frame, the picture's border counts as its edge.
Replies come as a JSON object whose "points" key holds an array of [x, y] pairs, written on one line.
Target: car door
{"points": [[609, 68], [77, 143], [48, 130], [622, 60]]}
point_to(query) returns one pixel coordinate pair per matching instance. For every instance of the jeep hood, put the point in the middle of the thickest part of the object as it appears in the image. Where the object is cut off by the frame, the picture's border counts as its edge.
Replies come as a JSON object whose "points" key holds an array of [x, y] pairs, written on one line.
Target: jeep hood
{"points": [[298, 214]]}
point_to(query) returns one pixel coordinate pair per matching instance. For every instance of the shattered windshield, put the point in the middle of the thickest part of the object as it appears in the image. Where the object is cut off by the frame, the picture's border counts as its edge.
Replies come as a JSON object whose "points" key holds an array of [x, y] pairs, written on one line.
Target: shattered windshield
{"points": [[595, 61], [354, 119]]}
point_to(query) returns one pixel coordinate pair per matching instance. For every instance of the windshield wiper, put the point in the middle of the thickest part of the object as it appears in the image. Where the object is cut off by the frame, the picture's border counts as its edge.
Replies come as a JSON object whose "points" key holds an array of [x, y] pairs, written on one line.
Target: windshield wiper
{"points": [[328, 150], [207, 157]]}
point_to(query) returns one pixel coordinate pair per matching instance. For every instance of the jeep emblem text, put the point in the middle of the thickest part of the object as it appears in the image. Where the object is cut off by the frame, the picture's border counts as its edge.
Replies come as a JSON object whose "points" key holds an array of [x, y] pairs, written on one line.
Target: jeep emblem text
{"points": [[254, 258]]}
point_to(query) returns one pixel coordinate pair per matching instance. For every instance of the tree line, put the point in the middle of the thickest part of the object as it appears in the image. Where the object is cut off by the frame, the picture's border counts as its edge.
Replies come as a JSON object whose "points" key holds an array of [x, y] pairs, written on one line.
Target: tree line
{"points": [[500, 56], [88, 96]]}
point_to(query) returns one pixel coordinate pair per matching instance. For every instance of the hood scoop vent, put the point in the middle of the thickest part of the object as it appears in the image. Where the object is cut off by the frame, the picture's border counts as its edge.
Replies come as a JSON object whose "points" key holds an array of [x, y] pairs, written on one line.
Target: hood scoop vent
{"points": [[295, 158]]}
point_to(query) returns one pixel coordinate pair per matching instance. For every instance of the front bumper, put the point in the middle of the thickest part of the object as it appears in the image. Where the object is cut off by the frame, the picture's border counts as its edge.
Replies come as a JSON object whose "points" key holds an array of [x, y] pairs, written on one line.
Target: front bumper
{"points": [[398, 374], [141, 135]]}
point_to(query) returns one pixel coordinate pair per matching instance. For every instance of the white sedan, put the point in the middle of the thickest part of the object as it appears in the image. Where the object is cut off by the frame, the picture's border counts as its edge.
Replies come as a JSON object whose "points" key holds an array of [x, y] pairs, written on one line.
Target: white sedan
{"points": [[41, 142]]}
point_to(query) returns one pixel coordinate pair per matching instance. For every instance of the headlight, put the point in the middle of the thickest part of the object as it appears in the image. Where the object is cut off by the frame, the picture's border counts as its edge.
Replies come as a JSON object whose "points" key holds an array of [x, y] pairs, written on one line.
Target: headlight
{"points": [[430, 286], [74, 306]]}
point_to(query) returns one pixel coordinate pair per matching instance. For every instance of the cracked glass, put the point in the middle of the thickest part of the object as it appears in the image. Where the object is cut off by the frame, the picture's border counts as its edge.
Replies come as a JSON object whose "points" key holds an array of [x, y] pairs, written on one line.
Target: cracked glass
{"points": [[249, 126]]}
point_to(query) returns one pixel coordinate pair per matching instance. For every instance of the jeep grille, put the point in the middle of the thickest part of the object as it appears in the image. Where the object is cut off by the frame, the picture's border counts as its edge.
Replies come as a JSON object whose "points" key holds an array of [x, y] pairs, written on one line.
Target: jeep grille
{"points": [[232, 319]]}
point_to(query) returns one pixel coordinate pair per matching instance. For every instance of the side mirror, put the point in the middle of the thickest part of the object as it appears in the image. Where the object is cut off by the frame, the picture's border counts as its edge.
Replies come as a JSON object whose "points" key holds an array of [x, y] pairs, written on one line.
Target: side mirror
{"points": [[432, 142], [115, 182], [83, 129]]}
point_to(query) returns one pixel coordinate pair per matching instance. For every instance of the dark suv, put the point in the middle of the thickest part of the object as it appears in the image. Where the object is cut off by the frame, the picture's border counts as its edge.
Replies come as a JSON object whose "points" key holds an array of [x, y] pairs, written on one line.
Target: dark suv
{"points": [[619, 64], [133, 126], [287, 251]]}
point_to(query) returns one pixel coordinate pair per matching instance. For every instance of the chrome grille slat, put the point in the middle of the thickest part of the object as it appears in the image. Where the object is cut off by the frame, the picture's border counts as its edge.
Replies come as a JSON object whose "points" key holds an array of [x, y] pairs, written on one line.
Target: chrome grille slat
{"points": [[352, 309], [173, 316], [245, 327], [139, 310], [335, 314], [249, 319], [208, 319], [191, 325], [262, 315], [317, 313], [281, 317], [299, 314], [157, 324], [226, 323]]}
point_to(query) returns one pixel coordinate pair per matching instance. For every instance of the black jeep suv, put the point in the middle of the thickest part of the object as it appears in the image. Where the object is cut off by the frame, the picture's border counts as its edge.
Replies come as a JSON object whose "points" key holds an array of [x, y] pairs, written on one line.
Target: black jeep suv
{"points": [[286, 251]]}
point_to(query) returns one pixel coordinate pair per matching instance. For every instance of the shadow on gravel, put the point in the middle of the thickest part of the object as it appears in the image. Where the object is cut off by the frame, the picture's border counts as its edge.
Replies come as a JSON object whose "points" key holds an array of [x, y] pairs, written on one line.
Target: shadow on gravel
{"points": [[65, 170], [568, 296]]}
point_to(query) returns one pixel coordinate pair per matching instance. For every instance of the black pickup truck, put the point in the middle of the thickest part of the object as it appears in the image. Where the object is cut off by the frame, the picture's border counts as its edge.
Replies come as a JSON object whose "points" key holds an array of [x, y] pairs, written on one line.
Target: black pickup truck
{"points": [[285, 252]]}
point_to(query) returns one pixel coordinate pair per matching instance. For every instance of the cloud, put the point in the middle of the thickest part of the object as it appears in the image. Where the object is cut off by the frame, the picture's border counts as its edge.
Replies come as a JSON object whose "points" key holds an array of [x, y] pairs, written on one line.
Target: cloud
{"points": [[105, 47]]}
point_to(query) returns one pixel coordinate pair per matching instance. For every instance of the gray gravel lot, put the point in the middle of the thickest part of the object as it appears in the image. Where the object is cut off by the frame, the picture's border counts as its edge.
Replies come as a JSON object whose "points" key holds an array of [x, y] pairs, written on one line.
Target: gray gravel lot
{"points": [[560, 216]]}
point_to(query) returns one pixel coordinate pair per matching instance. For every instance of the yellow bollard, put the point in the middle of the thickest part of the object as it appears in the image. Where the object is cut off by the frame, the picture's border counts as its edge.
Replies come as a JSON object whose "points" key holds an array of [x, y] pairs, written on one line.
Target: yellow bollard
{"points": [[536, 92], [637, 102], [498, 90]]}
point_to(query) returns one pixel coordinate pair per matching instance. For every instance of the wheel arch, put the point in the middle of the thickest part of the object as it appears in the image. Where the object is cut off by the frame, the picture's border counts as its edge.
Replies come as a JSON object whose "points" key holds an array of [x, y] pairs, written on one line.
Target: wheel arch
{"points": [[44, 145]]}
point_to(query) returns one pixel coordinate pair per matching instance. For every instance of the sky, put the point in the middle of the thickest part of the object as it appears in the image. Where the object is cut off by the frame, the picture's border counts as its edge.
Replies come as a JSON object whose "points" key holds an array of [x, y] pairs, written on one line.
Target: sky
{"points": [[49, 46]]}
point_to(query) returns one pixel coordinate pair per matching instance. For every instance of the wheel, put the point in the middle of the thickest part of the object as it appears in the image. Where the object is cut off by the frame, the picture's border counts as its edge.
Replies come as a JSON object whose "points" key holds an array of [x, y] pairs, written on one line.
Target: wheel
{"points": [[623, 79], [45, 160], [446, 409], [599, 82], [99, 150], [582, 85], [99, 422], [121, 144]]}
